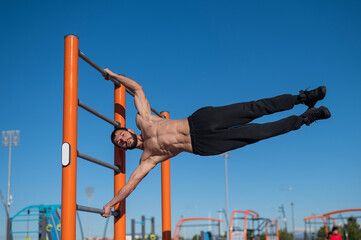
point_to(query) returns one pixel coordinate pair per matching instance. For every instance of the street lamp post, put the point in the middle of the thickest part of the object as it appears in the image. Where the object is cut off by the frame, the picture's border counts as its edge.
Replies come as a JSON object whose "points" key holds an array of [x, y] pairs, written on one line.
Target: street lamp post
{"points": [[9, 138], [293, 220], [89, 193], [282, 209], [226, 156]]}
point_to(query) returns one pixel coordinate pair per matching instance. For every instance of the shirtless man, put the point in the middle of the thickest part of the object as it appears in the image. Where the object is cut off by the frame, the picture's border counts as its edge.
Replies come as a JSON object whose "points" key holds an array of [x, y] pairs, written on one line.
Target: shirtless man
{"points": [[208, 131]]}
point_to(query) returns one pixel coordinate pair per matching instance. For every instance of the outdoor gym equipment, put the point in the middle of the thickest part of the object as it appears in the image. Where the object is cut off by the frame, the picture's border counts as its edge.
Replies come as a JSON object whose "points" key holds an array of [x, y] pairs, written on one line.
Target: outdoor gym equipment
{"points": [[180, 225], [273, 234], [249, 216], [42, 222], [142, 223], [329, 220], [70, 151], [312, 225]]}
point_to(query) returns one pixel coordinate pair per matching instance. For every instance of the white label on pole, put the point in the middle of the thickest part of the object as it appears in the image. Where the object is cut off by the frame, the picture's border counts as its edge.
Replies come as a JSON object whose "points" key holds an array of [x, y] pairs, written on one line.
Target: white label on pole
{"points": [[65, 154]]}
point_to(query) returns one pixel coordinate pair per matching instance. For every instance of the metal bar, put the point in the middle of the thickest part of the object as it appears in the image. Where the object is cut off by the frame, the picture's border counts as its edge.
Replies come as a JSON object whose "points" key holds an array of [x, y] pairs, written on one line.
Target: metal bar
{"points": [[26, 220], [346, 217], [104, 73], [133, 229], [98, 114], [25, 232], [99, 162], [96, 67], [91, 63], [25, 215], [157, 113], [99, 69], [251, 219], [143, 227], [200, 225], [94, 210]]}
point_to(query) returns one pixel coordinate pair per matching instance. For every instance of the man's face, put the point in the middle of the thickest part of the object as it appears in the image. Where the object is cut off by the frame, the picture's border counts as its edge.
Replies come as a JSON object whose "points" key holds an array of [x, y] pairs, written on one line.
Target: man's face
{"points": [[125, 139]]}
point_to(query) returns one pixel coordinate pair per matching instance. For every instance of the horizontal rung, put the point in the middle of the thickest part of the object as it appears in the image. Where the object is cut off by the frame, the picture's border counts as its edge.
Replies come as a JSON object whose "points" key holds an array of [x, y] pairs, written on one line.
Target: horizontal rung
{"points": [[95, 210], [201, 225], [26, 215], [26, 220], [249, 218], [11, 232], [94, 65], [98, 114], [99, 162], [104, 73]]}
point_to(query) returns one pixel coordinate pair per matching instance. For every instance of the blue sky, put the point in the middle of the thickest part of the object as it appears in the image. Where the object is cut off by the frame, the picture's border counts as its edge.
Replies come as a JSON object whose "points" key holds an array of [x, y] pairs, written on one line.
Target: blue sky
{"points": [[186, 54]]}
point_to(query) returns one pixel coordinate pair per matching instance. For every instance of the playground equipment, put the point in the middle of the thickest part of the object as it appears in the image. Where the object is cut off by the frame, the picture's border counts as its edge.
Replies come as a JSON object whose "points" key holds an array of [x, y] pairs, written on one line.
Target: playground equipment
{"points": [[348, 231], [252, 226], [45, 217], [42, 222], [204, 236], [272, 230], [313, 226], [70, 151], [142, 223]]}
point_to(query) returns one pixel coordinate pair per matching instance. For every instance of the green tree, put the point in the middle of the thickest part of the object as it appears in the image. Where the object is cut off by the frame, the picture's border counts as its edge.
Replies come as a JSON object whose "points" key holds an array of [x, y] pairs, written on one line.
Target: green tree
{"points": [[352, 229], [196, 237], [284, 235], [321, 234]]}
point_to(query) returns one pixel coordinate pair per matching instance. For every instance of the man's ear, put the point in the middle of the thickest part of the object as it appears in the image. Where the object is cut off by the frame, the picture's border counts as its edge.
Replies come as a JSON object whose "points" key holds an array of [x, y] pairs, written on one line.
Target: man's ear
{"points": [[130, 130]]}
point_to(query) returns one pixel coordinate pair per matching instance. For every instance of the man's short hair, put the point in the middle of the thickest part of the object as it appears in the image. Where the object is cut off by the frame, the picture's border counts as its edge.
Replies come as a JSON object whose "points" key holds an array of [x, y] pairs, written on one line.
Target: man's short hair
{"points": [[113, 134]]}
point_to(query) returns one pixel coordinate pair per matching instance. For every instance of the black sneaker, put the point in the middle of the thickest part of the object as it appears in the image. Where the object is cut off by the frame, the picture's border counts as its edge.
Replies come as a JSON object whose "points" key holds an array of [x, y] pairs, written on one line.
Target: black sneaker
{"points": [[313, 114], [309, 98]]}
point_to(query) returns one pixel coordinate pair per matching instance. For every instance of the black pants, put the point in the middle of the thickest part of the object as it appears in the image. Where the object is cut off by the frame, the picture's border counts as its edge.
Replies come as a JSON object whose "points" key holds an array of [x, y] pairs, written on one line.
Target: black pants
{"points": [[215, 130]]}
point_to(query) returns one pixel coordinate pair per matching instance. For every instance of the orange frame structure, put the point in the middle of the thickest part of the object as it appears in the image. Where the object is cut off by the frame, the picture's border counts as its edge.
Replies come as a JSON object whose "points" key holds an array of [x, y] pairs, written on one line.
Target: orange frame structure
{"points": [[166, 200], [181, 221], [328, 216], [70, 151], [277, 229], [247, 212], [342, 211], [324, 222]]}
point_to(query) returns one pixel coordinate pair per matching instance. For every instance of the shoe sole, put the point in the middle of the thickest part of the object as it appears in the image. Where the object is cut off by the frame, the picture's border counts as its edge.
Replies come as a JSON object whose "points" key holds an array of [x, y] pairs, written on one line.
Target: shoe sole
{"points": [[323, 91], [323, 94], [326, 112]]}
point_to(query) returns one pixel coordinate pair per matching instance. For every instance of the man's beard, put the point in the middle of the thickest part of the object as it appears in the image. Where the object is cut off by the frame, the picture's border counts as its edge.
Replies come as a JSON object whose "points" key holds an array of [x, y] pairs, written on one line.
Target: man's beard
{"points": [[135, 142]]}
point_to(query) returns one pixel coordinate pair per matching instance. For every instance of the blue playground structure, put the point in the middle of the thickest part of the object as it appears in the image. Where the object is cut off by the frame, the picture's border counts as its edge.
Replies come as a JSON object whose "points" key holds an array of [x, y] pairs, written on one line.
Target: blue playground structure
{"points": [[40, 222]]}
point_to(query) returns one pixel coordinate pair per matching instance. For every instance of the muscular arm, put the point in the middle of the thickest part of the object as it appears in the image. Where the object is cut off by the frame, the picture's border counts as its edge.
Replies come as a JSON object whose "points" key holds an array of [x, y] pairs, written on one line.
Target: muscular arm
{"points": [[139, 173], [140, 101]]}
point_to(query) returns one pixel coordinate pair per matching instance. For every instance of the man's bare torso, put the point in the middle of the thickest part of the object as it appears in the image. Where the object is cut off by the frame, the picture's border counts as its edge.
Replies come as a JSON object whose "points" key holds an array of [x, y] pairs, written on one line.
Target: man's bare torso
{"points": [[164, 138]]}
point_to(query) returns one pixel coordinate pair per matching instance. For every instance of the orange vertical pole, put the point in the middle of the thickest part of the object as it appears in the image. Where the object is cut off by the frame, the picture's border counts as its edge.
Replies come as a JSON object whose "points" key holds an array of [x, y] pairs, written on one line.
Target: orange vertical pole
{"points": [[166, 210], [266, 230], [245, 225], [70, 116], [119, 160]]}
